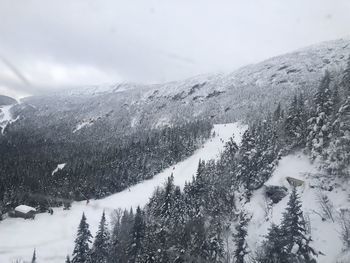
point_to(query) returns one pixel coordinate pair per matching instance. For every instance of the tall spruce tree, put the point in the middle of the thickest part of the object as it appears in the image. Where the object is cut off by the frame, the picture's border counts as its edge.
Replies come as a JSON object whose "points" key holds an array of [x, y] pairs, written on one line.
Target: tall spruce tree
{"points": [[295, 123], [319, 125], [339, 150], [293, 229], [241, 249], [100, 248], [273, 250], [81, 249], [34, 257], [138, 234]]}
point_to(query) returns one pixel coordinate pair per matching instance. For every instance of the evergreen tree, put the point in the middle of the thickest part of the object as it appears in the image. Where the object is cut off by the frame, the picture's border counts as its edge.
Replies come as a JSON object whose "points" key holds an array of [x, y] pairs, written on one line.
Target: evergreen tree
{"points": [[115, 239], [81, 249], [295, 123], [34, 257], [339, 150], [320, 124], [100, 248], [247, 164], [241, 249], [295, 239], [273, 250], [125, 237], [67, 259], [278, 113], [138, 234]]}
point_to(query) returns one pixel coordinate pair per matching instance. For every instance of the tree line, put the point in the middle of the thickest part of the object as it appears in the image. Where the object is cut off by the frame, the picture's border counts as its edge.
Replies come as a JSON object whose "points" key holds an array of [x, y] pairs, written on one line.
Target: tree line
{"points": [[94, 169]]}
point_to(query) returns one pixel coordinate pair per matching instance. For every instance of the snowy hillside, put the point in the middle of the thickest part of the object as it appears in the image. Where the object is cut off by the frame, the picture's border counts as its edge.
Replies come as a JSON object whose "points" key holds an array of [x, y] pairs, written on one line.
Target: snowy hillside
{"points": [[325, 233], [53, 235], [124, 108]]}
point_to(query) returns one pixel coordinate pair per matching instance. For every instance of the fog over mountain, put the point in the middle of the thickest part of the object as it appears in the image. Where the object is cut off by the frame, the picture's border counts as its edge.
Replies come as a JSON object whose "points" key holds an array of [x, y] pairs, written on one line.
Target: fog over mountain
{"points": [[47, 46]]}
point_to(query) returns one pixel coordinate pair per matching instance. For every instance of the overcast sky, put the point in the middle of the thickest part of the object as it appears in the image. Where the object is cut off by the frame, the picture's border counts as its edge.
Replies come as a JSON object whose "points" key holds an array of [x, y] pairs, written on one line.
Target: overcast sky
{"points": [[51, 44]]}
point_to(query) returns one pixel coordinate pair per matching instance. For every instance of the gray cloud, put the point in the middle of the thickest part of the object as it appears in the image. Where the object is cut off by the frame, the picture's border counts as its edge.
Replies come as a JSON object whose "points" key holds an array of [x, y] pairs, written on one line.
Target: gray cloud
{"points": [[59, 43]]}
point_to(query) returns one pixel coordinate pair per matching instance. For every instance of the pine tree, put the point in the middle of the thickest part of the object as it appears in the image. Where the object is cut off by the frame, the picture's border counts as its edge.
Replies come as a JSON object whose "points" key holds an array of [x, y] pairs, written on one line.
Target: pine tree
{"points": [[138, 234], [115, 239], [125, 236], [81, 249], [165, 210], [68, 259], [34, 257], [339, 150], [273, 250], [100, 247], [247, 166], [295, 123], [241, 249], [320, 124], [278, 113], [295, 239]]}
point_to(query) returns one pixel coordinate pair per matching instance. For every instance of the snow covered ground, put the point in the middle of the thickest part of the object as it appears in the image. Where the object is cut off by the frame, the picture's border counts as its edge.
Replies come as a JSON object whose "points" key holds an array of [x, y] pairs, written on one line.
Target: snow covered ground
{"points": [[59, 167], [325, 234], [53, 235], [6, 117]]}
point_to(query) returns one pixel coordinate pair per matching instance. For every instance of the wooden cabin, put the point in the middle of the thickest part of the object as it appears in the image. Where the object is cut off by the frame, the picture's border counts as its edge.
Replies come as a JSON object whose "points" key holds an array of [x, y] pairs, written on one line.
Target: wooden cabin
{"points": [[23, 211]]}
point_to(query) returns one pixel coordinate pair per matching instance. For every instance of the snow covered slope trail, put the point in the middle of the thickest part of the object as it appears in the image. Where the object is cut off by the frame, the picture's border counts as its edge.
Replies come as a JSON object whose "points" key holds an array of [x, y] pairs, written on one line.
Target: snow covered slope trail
{"points": [[53, 235]]}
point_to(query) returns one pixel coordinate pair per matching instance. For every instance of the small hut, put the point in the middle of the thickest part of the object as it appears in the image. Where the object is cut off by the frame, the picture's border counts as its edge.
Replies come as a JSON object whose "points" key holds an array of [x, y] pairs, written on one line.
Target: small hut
{"points": [[24, 211], [294, 181]]}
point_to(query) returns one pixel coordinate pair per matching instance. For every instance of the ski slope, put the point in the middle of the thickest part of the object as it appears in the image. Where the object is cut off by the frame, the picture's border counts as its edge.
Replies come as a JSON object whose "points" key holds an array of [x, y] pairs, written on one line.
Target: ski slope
{"points": [[53, 235]]}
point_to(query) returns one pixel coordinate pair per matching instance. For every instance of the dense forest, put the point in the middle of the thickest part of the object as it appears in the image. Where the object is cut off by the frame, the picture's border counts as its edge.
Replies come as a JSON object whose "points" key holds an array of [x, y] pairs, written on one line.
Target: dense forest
{"points": [[93, 169], [190, 225]]}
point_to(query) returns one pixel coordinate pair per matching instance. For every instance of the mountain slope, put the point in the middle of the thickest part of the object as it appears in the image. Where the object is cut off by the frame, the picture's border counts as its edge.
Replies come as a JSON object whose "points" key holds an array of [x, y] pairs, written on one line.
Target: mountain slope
{"points": [[126, 108]]}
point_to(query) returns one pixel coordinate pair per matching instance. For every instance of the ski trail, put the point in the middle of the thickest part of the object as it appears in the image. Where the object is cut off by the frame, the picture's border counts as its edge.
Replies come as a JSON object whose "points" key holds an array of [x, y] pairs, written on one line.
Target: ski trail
{"points": [[53, 235]]}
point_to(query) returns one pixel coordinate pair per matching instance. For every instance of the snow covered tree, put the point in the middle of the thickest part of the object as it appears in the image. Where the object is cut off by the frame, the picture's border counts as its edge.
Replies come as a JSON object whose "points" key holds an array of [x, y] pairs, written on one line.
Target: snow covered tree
{"points": [[278, 114], [125, 238], [293, 230], [34, 257], [100, 247], [241, 249], [81, 249], [138, 233], [115, 239], [319, 125], [339, 150], [273, 250], [295, 123], [247, 166]]}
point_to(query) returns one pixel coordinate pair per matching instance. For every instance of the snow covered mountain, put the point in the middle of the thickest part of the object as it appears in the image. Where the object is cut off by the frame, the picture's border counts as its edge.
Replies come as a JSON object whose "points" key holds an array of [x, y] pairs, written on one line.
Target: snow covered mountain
{"points": [[125, 108], [235, 206]]}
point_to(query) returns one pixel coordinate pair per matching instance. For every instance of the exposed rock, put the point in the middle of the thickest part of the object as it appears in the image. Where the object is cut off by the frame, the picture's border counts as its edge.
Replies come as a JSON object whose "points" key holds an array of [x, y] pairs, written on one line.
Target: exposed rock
{"points": [[275, 193]]}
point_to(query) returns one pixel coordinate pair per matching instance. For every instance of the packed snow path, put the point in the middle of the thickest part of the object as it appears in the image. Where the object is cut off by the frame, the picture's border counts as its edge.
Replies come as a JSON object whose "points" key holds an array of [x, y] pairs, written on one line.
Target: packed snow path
{"points": [[53, 235]]}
